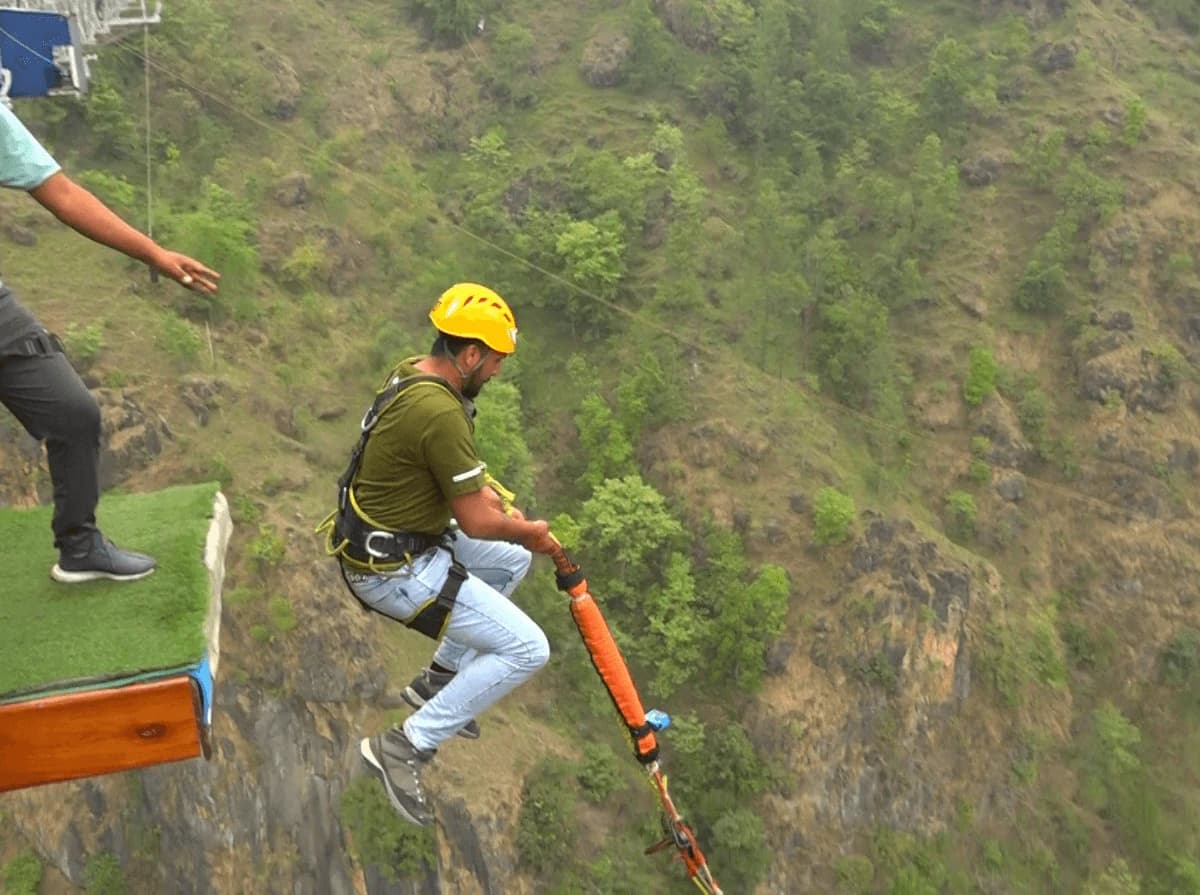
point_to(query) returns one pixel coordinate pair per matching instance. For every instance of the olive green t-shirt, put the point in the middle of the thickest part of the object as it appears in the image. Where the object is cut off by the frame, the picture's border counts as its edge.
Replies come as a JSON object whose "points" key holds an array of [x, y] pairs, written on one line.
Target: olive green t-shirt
{"points": [[419, 455]]}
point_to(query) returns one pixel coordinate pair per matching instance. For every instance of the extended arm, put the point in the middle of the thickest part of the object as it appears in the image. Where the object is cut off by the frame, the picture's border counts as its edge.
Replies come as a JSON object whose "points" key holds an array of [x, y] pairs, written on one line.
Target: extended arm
{"points": [[80, 210]]}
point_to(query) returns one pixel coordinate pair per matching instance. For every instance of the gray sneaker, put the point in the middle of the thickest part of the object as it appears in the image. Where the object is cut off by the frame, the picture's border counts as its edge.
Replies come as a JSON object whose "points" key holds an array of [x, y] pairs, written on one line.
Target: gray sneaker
{"points": [[397, 762], [425, 685], [94, 556]]}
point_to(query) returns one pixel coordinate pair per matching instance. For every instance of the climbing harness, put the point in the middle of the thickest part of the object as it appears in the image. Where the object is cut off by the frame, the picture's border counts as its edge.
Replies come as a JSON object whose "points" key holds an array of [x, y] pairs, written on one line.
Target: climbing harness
{"points": [[642, 725], [362, 546]]}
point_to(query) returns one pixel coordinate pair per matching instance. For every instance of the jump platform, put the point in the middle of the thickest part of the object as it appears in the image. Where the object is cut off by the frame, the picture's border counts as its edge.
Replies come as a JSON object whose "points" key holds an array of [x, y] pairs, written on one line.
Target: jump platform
{"points": [[109, 676]]}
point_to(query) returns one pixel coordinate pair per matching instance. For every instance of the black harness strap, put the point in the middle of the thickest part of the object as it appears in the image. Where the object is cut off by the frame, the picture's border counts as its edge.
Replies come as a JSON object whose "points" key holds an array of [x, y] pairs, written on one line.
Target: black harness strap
{"points": [[42, 343], [431, 618], [364, 543]]}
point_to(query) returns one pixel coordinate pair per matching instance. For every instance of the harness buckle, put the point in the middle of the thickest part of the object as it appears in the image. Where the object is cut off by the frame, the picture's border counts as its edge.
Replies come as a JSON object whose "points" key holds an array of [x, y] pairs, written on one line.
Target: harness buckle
{"points": [[372, 535]]}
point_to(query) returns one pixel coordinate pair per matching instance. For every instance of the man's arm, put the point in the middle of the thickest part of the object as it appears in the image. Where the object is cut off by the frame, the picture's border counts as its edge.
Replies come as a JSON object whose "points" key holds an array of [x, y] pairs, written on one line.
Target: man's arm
{"points": [[80, 210], [480, 515]]}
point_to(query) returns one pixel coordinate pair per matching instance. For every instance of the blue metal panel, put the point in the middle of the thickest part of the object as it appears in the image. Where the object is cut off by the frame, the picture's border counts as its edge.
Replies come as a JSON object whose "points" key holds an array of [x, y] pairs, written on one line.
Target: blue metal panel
{"points": [[27, 42], [203, 676]]}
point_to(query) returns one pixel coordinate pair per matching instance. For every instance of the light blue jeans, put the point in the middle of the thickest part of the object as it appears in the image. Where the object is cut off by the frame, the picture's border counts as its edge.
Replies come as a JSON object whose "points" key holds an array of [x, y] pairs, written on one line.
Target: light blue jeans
{"points": [[491, 644]]}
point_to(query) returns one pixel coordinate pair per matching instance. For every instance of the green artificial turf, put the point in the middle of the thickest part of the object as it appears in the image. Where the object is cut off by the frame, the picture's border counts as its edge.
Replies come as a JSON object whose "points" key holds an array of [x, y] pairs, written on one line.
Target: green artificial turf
{"points": [[54, 635]]}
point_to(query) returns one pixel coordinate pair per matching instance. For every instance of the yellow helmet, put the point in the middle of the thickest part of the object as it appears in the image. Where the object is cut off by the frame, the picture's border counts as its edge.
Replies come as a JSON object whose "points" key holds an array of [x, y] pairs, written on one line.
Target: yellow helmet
{"points": [[471, 311]]}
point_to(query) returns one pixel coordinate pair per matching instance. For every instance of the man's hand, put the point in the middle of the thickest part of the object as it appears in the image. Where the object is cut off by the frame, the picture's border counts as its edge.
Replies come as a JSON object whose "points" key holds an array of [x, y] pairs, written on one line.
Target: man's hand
{"points": [[186, 271], [538, 538], [80, 210]]}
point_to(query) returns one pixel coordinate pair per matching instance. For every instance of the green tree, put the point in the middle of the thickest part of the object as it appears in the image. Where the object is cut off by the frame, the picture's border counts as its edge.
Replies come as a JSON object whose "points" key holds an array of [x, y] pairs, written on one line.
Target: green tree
{"points": [[648, 394], [606, 446], [935, 196], [775, 86], [593, 255], [833, 104], [450, 21], [654, 57], [606, 183], [222, 231], [833, 515], [490, 149], [112, 124], [627, 526], [892, 114], [1088, 198], [854, 352], [672, 639], [1043, 157], [876, 22], [512, 56], [740, 849], [949, 82], [1043, 285], [749, 619], [717, 768], [500, 438]]}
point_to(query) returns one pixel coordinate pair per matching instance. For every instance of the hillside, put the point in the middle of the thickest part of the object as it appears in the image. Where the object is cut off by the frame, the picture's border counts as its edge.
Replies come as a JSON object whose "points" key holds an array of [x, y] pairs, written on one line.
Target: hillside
{"points": [[858, 362]]}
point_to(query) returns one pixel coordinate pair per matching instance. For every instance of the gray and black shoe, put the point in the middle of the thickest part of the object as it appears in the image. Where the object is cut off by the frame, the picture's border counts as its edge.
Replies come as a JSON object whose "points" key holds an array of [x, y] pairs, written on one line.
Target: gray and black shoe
{"points": [[423, 688], [94, 556], [397, 762]]}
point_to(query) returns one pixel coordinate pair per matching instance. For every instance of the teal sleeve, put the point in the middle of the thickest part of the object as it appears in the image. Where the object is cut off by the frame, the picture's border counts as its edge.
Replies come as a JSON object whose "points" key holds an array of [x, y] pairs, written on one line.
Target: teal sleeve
{"points": [[24, 162]]}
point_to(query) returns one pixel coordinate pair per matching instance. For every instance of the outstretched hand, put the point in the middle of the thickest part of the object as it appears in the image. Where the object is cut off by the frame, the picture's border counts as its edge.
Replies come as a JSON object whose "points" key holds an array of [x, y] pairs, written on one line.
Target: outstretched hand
{"points": [[187, 271]]}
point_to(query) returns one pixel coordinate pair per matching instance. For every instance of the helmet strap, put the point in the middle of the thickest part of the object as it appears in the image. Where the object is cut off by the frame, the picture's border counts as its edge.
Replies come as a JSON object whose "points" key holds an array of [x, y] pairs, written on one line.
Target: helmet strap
{"points": [[467, 374]]}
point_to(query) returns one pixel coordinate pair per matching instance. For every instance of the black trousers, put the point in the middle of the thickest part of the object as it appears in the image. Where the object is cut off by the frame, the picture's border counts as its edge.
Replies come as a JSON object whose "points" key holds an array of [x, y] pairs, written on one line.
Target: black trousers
{"points": [[50, 400]]}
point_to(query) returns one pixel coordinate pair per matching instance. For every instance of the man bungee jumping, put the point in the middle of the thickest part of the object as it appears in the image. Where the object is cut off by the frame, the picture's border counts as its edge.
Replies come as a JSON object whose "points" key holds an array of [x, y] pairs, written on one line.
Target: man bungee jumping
{"points": [[426, 537]]}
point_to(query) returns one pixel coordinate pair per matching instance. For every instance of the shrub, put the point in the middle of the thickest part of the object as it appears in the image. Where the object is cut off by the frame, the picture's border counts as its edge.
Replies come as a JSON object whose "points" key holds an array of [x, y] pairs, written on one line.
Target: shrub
{"points": [[981, 377], [180, 339], [268, 548], [740, 849], [833, 514], [1180, 660], [381, 838], [546, 825], [600, 775], [1135, 121], [102, 875], [855, 874], [23, 874], [961, 513], [283, 617], [84, 344]]}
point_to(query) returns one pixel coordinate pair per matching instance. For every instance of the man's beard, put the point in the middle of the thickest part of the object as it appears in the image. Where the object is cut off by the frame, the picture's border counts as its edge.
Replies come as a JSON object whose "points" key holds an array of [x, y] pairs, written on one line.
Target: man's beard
{"points": [[472, 387]]}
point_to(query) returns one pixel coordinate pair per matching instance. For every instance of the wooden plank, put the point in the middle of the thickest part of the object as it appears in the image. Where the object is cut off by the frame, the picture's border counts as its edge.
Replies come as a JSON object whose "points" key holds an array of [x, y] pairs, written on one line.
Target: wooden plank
{"points": [[98, 732]]}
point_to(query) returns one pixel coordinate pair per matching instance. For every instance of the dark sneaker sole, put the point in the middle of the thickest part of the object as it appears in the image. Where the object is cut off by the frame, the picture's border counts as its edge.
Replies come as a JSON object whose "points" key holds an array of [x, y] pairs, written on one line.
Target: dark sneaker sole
{"points": [[469, 731], [368, 755], [64, 576]]}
